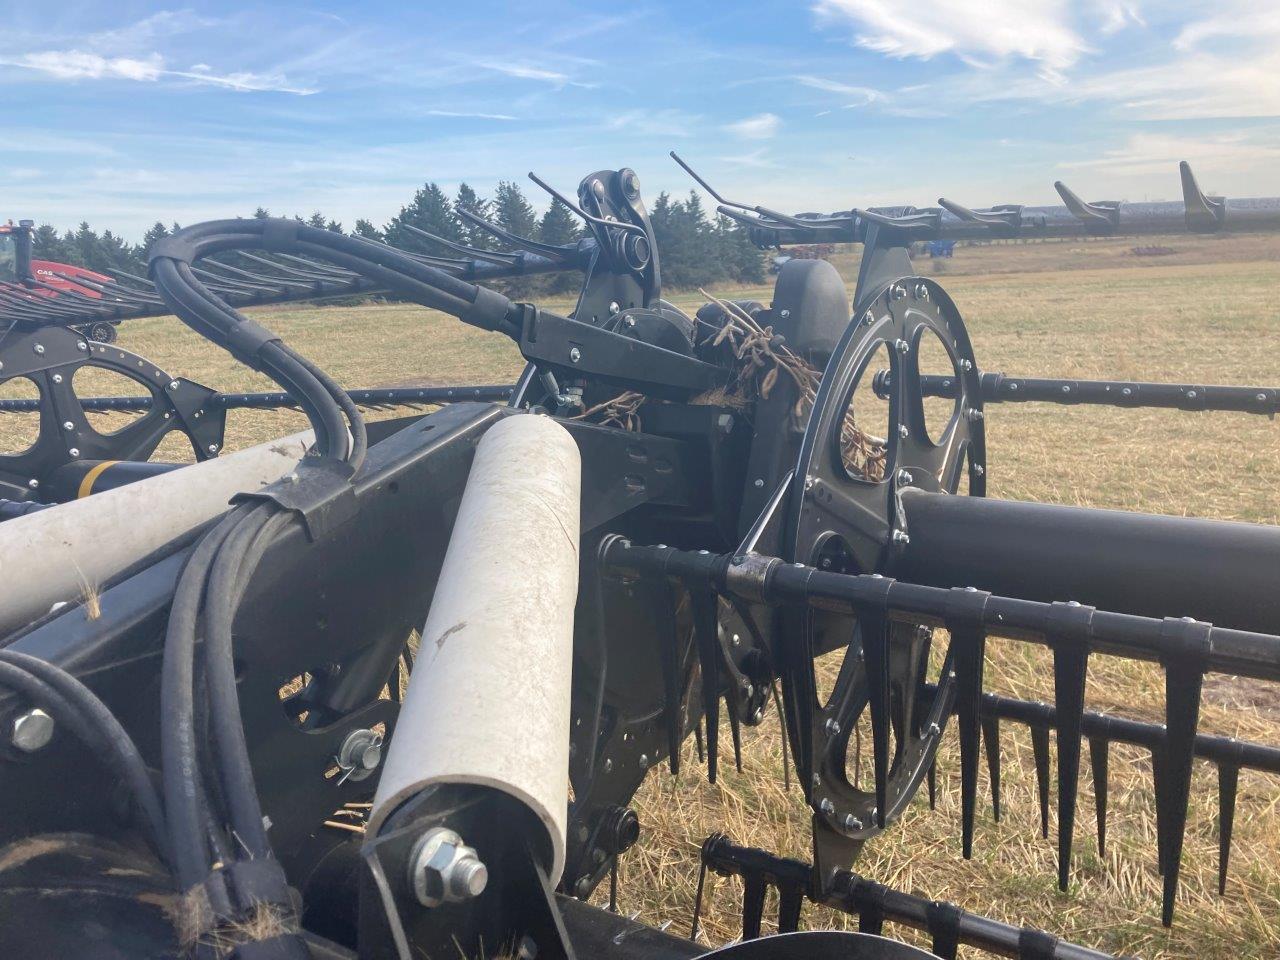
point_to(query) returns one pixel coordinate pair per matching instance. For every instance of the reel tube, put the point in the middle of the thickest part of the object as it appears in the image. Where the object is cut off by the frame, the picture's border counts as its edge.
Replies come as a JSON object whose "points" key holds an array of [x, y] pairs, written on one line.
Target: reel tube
{"points": [[488, 703]]}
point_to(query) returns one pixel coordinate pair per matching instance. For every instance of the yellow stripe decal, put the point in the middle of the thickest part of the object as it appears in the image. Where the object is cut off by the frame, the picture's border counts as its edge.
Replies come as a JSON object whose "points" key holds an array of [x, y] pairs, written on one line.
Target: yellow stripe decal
{"points": [[86, 484]]}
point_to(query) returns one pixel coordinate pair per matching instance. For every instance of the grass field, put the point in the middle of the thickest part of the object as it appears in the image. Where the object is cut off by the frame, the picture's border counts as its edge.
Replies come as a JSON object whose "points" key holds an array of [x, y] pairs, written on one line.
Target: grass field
{"points": [[1207, 313]]}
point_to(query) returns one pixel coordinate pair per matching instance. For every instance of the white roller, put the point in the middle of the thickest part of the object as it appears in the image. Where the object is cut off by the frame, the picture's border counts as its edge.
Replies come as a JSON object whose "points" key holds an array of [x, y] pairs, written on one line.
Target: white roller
{"points": [[488, 701], [50, 556]]}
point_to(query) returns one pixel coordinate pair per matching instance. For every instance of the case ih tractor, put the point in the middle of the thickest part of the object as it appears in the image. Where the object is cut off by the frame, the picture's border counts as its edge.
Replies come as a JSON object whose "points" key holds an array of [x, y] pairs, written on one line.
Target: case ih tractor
{"points": [[23, 277]]}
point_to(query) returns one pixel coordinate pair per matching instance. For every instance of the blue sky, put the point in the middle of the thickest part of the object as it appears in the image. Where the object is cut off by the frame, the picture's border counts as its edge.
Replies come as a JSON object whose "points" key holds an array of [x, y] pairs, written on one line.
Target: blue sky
{"points": [[126, 113]]}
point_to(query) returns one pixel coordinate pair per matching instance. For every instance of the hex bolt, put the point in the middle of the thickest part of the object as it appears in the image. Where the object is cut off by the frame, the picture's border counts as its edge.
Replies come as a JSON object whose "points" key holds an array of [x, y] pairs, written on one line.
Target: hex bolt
{"points": [[1013, 388], [934, 730], [759, 482], [68, 425], [81, 345], [966, 365], [978, 469], [173, 384], [899, 292], [851, 822], [1066, 388], [901, 536], [57, 377], [74, 451], [33, 483], [973, 415], [644, 761], [784, 314], [212, 448], [443, 869], [868, 319], [32, 730], [39, 349], [903, 346], [904, 476], [630, 321], [613, 307], [833, 726], [826, 806], [575, 355], [1191, 394], [903, 432]]}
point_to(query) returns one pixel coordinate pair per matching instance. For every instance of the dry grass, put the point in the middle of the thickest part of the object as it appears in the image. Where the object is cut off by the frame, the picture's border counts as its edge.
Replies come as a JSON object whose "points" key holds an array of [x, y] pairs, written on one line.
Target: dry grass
{"points": [[1207, 314]]}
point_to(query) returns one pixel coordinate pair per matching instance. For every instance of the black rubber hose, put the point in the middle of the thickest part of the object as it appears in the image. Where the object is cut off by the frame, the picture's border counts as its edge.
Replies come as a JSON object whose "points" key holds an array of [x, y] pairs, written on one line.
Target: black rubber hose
{"points": [[66, 712], [227, 580], [178, 748], [107, 735]]}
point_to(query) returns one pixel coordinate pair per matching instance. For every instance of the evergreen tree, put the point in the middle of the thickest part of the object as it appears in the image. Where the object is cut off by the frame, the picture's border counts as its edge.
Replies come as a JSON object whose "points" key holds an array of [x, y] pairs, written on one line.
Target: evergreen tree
{"points": [[367, 230], [429, 210], [158, 231], [560, 226], [472, 202], [262, 213], [86, 247], [513, 212], [317, 220], [47, 245]]}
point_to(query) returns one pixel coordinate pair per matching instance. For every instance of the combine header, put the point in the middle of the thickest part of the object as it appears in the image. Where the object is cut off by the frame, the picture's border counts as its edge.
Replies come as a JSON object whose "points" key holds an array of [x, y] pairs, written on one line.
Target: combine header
{"points": [[331, 722]]}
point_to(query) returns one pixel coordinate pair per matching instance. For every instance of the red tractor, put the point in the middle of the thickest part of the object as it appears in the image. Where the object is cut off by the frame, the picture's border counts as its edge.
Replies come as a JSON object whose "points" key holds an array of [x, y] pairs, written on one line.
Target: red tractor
{"points": [[22, 278]]}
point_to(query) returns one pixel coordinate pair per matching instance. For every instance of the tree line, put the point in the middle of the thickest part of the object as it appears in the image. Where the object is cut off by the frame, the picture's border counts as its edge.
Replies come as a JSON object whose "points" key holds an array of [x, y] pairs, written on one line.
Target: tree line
{"points": [[695, 249]]}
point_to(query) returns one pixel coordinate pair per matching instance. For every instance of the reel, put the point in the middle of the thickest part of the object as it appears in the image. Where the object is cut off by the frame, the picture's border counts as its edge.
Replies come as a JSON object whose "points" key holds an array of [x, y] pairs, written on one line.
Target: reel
{"points": [[846, 517]]}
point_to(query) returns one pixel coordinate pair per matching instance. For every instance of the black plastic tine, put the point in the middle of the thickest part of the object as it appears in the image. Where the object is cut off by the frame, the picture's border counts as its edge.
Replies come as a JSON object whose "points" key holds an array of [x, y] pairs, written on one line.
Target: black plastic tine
{"points": [[262, 278], [782, 722], [671, 687], [991, 740], [735, 734], [1098, 750], [599, 221], [697, 742], [966, 607], [703, 605], [790, 900], [613, 885], [753, 892], [1202, 213], [906, 221], [999, 222], [1187, 644], [1228, 780], [1157, 781], [1040, 750], [549, 250], [506, 259], [697, 899], [763, 211], [873, 623], [1070, 630], [932, 777], [318, 265]]}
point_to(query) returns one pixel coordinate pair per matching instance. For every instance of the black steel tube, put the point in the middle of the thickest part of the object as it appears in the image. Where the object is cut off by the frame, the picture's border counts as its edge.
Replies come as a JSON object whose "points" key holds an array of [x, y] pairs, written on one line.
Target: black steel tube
{"points": [[1224, 750], [852, 893], [768, 580], [388, 396], [999, 388], [1137, 563]]}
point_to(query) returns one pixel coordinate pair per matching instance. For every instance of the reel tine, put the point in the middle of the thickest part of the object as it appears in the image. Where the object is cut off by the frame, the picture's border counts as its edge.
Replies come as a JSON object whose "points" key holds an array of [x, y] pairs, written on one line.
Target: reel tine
{"points": [[932, 777], [1228, 780], [1040, 749], [1188, 643], [991, 740], [964, 616], [753, 892], [873, 621], [1070, 630], [1098, 758], [1204, 214], [735, 734], [703, 604], [671, 676], [549, 250], [790, 900], [505, 259]]}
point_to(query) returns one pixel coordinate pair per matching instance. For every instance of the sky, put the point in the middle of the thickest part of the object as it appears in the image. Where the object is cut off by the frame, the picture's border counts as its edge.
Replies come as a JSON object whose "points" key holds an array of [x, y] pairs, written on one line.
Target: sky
{"points": [[127, 113]]}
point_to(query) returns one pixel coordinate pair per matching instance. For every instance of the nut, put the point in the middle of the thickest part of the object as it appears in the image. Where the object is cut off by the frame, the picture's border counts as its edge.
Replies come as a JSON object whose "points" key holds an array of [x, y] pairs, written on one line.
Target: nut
{"points": [[443, 869], [32, 730]]}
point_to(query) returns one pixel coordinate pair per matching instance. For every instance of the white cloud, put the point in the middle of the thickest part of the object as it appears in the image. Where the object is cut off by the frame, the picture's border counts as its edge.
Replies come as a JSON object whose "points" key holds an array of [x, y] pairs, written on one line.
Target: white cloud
{"points": [[975, 30], [470, 116], [74, 65], [861, 95], [1147, 154], [655, 123], [760, 127], [523, 71]]}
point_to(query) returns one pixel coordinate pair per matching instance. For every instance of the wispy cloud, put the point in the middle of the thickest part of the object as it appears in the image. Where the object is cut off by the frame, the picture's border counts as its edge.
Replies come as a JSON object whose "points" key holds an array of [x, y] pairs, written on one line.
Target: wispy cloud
{"points": [[76, 65], [762, 126], [524, 71], [461, 114]]}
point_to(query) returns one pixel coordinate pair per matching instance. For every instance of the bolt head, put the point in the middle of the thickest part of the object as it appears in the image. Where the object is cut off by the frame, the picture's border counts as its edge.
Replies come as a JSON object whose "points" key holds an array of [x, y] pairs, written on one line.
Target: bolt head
{"points": [[833, 726], [903, 346], [212, 448], [851, 822], [39, 349], [784, 314], [904, 476], [901, 536], [575, 355], [613, 307], [903, 432], [68, 425], [81, 345], [978, 469], [443, 869], [32, 730], [33, 483], [57, 377], [973, 415], [826, 806], [74, 452], [759, 482], [966, 365]]}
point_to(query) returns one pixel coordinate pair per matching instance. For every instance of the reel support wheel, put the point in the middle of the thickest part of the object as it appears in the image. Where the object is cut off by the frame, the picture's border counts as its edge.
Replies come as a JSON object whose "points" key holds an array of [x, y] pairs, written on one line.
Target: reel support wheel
{"points": [[846, 517]]}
